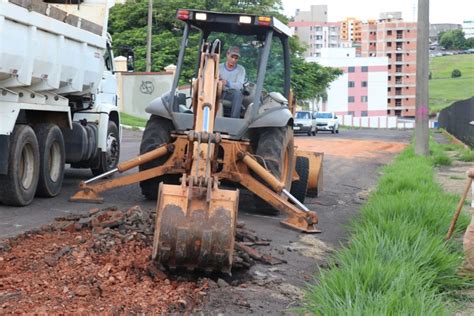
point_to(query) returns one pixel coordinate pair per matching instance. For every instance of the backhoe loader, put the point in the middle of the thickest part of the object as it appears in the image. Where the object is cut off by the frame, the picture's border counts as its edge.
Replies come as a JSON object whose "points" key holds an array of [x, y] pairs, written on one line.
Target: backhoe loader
{"points": [[194, 159]]}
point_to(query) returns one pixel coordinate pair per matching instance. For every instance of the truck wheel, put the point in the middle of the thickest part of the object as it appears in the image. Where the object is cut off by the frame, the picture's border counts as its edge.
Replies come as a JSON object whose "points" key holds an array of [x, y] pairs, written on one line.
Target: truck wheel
{"points": [[275, 146], [109, 159], [157, 132], [52, 156], [19, 185], [299, 187]]}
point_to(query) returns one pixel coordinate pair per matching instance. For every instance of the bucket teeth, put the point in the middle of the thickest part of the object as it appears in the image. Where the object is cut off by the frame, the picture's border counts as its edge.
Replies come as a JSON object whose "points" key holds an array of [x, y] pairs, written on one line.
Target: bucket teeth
{"points": [[199, 236]]}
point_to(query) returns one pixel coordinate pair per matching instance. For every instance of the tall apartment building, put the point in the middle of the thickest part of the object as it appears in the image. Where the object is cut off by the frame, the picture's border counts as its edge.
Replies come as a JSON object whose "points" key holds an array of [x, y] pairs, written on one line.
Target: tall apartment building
{"points": [[393, 38], [313, 29], [316, 13], [317, 35], [351, 30], [468, 28]]}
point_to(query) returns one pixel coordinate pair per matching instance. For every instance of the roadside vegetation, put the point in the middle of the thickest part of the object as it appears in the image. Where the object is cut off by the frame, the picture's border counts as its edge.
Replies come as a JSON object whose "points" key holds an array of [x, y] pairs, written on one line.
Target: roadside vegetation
{"points": [[131, 120], [444, 90], [396, 261]]}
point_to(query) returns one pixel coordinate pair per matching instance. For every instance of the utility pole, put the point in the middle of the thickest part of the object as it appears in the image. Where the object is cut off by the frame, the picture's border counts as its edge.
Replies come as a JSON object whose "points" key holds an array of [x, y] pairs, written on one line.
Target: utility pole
{"points": [[148, 38], [422, 70]]}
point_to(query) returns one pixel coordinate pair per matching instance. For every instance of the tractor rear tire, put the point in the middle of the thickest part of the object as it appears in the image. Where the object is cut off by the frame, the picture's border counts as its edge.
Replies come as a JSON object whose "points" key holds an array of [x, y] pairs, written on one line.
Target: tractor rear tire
{"points": [[276, 146], [19, 185], [157, 132], [300, 186], [52, 156]]}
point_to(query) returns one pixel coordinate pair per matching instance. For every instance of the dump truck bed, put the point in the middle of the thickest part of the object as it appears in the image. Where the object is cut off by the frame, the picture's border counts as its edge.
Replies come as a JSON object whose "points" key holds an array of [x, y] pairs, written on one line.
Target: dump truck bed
{"points": [[50, 47]]}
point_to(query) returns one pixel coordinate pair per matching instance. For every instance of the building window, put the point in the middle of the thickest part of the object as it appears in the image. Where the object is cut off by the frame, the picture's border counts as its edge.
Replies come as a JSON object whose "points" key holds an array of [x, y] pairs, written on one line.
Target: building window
{"points": [[389, 89], [389, 32], [398, 112], [351, 99], [389, 67], [364, 84], [364, 98], [351, 69], [363, 113], [389, 44], [389, 56], [388, 112], [389, 78], [398, 68], [351, 84], [365, 68], [389, 101], [398, 102], [350, 113]]}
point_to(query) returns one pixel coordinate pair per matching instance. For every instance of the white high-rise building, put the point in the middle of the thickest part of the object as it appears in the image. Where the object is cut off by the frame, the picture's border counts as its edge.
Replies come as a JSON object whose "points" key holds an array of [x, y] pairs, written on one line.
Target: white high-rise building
{"points": [[468, 28]]}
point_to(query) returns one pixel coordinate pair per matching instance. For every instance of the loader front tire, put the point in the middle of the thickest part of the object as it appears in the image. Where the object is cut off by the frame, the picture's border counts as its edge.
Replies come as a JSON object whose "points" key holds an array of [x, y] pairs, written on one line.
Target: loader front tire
{"points": [[275, 146], [157, 132], [300, 186]]}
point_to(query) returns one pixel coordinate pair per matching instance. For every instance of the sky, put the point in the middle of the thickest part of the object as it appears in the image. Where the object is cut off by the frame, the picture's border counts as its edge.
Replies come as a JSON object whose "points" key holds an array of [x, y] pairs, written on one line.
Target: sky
{"points": [[441, 11]]}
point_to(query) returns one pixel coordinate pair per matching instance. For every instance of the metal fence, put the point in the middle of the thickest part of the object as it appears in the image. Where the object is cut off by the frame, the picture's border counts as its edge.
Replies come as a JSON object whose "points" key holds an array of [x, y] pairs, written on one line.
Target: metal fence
{"points": [[458, 120]]}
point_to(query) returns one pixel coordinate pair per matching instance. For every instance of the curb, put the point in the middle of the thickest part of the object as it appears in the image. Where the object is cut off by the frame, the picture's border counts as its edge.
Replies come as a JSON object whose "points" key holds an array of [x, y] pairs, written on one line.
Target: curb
{"points": [[132, 127], [453, 138]]}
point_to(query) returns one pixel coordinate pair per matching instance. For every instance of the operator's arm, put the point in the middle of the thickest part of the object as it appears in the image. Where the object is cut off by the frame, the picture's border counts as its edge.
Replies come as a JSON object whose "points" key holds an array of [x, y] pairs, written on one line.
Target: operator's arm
{"points": [[237, 79]]}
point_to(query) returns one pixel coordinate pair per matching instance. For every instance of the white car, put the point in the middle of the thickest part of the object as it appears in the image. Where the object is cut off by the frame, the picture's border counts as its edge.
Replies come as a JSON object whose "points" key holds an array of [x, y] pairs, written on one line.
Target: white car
{"points": [[327, 121], [304, 123]]}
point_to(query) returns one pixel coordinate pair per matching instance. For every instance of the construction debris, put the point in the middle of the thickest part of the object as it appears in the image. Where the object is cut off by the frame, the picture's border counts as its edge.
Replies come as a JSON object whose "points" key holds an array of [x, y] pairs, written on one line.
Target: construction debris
{"points": [[100, 262]]}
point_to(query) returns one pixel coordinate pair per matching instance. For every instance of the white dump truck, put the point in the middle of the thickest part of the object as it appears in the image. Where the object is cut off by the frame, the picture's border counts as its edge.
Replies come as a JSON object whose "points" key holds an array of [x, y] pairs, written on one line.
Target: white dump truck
{"points": [[58, 95]]}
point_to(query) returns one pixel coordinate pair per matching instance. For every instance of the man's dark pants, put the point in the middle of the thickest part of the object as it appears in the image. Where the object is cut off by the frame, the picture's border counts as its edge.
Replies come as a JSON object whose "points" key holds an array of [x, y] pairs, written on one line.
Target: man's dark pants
{"points": [[234, 96]]}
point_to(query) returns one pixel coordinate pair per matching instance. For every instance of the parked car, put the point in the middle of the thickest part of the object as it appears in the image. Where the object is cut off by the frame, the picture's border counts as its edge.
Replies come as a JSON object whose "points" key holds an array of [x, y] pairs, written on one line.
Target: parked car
{"points": [[305, 123], [327, 121]]}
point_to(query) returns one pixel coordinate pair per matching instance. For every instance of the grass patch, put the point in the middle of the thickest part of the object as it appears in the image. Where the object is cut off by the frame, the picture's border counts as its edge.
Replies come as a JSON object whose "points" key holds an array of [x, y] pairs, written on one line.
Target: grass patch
{"points": [[396, 262], [457, 178], [131, 120], [466, 155], [439, 155], [445, 90]]}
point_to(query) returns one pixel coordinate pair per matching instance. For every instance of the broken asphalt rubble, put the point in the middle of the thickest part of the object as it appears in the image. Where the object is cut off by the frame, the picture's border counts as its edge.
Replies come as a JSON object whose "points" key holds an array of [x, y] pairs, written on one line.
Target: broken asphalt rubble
{"points": [[101, 262]]}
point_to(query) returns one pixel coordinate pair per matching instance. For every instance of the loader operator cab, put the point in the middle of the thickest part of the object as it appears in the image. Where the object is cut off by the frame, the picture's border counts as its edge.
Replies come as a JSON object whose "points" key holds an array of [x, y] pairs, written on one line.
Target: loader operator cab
{"points": [[264, 51]]}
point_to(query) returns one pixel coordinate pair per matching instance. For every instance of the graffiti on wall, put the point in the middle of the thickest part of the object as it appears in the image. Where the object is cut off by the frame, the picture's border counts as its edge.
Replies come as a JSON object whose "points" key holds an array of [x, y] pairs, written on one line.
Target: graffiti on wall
{"points": [[147, 87]]}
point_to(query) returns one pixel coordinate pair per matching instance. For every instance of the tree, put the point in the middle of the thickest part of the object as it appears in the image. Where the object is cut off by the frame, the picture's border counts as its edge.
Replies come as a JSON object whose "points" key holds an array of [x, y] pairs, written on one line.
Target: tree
{"points": [[310, 80], [127, 25], [456, 73], [470, 42], [453, 39]]}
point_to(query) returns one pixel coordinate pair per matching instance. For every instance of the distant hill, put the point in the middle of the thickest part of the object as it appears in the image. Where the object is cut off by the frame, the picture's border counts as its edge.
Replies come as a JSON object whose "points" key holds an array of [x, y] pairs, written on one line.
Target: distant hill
{"points": [[445, 90]]}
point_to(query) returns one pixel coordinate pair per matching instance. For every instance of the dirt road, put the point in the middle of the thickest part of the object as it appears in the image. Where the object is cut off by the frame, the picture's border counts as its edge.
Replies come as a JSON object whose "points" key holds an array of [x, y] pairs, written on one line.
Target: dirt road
{"points": [[351, 164]]}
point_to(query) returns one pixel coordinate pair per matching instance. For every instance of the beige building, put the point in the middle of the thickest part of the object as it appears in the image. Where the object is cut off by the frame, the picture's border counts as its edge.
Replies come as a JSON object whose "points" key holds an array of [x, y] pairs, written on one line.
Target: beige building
{"points": [[391, 37], [317, 13], [351, 30], [312, 29]]}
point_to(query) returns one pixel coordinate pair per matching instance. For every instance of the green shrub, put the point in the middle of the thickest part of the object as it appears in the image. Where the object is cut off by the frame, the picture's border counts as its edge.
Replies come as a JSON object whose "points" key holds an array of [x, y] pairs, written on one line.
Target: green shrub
{"points": [[466, 155], [456, 73]]}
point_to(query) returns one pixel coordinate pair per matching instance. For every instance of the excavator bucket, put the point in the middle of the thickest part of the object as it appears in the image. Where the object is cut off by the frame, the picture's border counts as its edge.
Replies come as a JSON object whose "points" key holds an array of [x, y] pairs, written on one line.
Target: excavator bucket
{"points": [[195, 227]]}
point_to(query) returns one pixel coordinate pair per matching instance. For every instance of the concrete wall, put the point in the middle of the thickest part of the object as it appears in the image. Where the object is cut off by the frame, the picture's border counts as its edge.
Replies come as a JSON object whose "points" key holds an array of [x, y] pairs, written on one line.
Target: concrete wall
{"points": [[137, 89]]}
